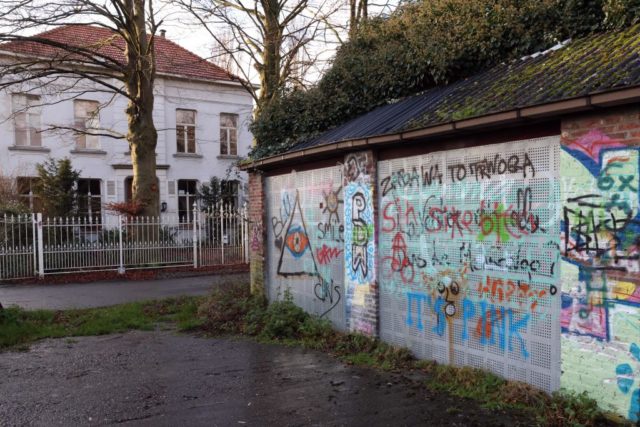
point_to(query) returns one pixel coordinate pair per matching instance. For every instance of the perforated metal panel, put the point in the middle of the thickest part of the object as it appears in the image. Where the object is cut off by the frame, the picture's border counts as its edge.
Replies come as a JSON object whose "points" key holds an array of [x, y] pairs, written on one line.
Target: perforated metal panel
{"points": [[305, 241], [469, 258]]}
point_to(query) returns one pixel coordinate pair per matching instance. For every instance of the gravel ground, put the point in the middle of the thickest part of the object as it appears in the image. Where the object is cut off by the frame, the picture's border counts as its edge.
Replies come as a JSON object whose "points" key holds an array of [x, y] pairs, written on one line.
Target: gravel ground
{"points": [[162, 378]]}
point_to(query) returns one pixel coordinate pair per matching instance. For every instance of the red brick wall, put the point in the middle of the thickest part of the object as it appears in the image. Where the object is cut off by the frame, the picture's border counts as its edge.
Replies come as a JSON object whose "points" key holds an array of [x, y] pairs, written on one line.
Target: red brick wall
{"points": [[600, 284], [621, 123], [257, 215]]}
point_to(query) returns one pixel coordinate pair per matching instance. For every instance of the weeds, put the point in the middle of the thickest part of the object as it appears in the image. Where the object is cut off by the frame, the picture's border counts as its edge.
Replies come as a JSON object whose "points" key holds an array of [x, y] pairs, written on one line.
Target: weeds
{"points": [[236, 312], [19, 327]]}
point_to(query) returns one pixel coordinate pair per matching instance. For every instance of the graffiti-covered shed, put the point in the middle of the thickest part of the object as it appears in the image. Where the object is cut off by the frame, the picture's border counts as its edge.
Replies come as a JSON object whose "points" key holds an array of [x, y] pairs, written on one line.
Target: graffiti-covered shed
{"points": [[492, 223]]}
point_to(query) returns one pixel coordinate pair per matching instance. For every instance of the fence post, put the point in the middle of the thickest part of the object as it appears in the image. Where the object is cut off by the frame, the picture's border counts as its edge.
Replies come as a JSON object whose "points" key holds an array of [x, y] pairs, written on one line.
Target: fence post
{"points": [[34, 244], [245, 232], [120, 247], [195, 235], [40, 246], [222, 230]]}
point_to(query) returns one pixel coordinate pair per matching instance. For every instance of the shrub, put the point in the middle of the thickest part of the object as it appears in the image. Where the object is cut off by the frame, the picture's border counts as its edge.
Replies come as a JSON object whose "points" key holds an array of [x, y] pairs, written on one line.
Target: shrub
{"points": [[228, 308], [57, 186]]}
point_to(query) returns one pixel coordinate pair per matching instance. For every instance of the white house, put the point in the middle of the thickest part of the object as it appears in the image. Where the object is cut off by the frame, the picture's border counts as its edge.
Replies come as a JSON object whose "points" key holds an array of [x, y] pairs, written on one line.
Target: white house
{"points": [[201, 113]]}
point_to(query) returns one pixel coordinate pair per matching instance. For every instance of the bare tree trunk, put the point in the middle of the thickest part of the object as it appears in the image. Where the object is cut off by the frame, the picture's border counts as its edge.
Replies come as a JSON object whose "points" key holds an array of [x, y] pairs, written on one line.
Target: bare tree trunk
{"points": [[358, 13], [142, 135], [142, 139], [271, 68]]}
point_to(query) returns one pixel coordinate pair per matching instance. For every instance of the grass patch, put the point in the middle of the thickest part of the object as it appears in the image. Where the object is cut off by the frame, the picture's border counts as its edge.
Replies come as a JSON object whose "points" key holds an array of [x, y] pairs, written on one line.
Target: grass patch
{"points": [[235, 311], [561, 408], [19, 327]]}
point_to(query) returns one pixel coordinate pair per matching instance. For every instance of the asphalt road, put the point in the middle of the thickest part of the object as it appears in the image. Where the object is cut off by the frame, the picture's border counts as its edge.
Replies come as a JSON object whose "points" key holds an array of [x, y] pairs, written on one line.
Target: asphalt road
{"points": [[99, 294], [164, 379]]}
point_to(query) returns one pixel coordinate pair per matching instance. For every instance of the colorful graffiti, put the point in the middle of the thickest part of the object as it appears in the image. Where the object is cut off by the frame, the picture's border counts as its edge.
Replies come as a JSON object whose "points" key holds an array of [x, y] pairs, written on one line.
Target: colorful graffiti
{"points": [[469, 247], [296, 257], [256, 236], [600, 244], [521, 258], [359, 242], [306, 236]]}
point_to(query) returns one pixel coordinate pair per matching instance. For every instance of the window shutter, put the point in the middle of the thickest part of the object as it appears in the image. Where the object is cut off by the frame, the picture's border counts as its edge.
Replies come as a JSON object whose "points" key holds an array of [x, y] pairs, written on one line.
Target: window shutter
{"points": [[111, 188]]}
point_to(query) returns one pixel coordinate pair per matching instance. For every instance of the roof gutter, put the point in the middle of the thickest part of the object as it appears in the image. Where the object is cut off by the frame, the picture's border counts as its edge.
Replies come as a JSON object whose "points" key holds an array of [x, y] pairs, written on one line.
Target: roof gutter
{"points": [[567, 106]]}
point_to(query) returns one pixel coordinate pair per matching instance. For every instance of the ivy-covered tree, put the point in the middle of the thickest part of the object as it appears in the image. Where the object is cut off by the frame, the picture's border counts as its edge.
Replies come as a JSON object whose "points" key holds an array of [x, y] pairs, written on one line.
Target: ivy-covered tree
{"points": [[56, 187], [425, 44]]}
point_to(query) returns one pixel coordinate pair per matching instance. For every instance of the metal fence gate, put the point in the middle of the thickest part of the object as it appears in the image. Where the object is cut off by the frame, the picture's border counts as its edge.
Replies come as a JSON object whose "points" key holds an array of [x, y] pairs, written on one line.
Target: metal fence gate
{"points": [[18, 258], [222, 236], [32, 246]]}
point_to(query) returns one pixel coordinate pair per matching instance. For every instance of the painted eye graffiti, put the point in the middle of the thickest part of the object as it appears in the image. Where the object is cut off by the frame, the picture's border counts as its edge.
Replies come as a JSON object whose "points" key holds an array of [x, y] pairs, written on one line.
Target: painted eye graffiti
{"points": [[297, 241]]}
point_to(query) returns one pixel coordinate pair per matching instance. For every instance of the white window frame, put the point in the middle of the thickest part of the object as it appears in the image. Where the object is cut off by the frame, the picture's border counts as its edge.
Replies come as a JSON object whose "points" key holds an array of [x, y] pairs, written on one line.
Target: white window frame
{"points": [[225, 135], [90, 197], [27, 198], [86, 121], [190, 200], [26, 120], [183, 128]]}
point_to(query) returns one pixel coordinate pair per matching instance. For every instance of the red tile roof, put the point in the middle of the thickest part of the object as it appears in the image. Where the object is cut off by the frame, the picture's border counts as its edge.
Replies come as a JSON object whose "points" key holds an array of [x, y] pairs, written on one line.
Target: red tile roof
{"points": [[171, 58]]}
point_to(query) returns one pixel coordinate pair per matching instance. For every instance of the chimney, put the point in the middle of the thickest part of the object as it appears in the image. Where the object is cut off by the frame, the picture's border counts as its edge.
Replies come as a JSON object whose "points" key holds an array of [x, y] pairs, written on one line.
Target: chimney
{"points": [[163, 33]]}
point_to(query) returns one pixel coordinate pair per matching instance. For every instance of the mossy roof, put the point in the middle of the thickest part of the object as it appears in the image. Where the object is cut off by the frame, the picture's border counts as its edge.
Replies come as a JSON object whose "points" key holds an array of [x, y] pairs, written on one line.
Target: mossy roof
{"points": [[595, 64]]}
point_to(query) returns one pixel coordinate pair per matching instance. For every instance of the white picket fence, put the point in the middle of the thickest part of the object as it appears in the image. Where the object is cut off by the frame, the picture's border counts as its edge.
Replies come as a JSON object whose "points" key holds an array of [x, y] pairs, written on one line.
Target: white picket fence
{"points": [[31, 245]]}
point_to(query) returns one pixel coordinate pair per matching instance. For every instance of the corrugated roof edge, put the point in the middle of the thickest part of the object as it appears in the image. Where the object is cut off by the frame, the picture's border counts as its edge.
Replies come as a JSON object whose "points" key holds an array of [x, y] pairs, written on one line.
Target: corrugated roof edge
{"points": [[592, 101]]}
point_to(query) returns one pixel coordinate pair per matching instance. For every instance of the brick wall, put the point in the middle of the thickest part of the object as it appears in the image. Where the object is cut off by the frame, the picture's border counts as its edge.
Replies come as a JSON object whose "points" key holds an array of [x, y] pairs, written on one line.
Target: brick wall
{"points": [[600, 317], [622, 123], [257, 212]]}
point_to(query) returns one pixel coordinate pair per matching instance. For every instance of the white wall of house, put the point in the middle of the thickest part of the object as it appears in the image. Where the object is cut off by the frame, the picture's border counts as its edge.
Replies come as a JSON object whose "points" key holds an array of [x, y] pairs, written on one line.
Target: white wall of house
{"points": [[110, 161]]}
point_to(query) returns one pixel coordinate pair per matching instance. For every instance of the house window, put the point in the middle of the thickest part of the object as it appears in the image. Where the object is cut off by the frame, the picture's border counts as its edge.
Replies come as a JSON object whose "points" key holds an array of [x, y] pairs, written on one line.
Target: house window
{"points": [[86, 119], [89, 201], [26, 120], [229, 192], [186, 131], [228, 134], [187, 189], [26, 190]]}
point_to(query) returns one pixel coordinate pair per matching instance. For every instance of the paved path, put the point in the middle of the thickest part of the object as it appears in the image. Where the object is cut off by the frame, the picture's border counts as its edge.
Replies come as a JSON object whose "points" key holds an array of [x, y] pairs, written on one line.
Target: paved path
{"points": [[159, 378], [99, 294]]}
